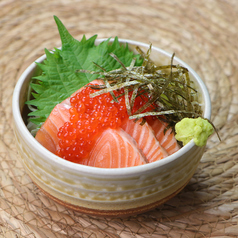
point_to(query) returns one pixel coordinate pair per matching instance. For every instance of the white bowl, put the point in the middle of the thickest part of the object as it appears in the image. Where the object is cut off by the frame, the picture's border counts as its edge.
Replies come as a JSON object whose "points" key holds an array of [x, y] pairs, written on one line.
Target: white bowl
{"points": [[99, 191]]}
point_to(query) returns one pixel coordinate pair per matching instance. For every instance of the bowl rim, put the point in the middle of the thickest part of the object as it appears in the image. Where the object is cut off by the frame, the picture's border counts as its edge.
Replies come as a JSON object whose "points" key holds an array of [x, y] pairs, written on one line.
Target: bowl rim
{"points": [[116, 172]]}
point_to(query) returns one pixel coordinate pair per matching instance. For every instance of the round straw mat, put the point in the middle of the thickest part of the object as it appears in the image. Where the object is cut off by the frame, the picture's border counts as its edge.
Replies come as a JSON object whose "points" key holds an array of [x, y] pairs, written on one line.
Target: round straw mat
{"points": [[203, 34]]}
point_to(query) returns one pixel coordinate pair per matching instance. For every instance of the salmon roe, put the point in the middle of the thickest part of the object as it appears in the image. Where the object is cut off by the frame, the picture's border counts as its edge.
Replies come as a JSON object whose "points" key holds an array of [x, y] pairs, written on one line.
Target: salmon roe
{"points": [[89, 117]]}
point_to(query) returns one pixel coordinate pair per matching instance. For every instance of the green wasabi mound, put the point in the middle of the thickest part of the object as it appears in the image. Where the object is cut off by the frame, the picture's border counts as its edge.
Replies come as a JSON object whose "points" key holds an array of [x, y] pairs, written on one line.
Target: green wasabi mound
{"points": [[197, 129]]}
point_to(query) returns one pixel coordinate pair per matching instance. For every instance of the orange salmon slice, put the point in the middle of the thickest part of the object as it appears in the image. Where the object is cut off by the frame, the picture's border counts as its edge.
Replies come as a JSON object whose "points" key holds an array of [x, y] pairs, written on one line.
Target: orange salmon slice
{"points": [[146, 140], [167, 139], [115, 149], [47, 134]]}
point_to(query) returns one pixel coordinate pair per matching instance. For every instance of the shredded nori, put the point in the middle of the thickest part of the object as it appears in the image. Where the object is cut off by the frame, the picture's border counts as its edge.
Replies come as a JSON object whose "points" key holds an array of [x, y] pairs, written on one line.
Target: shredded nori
{"points": [[169, 89]]}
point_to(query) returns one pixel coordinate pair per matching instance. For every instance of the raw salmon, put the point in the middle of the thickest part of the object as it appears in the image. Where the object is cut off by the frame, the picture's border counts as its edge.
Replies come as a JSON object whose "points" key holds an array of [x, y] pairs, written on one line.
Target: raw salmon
{"points": [[115, 149], [47, 134], [165, 137], [146, 140], [130, 144]]}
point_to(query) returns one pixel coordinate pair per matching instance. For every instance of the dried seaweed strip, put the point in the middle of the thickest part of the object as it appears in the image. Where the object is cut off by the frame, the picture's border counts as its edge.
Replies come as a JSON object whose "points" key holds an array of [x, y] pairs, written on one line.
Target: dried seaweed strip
{"points": [[147, 61], [168, 88], [104, 70], [132, 64], [134, 95], [111, 92], [127, 101], [114, 87], [118, 60], [161, 113]]}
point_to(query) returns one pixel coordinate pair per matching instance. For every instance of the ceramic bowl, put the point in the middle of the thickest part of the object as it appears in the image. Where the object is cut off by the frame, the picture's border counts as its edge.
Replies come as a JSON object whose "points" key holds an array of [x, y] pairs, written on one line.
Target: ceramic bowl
{"points": [[107, 192]]}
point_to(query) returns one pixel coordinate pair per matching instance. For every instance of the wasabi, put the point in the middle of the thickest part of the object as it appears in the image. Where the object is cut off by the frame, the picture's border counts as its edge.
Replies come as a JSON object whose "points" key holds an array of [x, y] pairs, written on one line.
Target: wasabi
{"points": [[197, 129]]}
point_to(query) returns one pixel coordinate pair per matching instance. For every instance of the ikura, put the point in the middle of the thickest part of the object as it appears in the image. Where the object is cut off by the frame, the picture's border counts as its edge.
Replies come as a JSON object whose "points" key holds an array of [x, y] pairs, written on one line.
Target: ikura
{"points": [[89, 117]]}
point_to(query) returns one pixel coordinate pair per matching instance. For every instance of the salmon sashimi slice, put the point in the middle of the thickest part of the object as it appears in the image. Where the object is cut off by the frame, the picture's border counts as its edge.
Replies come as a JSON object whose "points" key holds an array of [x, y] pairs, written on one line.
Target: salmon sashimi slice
{"points": [[165, 137], [115, 149], [146, 140], [47, 134]]}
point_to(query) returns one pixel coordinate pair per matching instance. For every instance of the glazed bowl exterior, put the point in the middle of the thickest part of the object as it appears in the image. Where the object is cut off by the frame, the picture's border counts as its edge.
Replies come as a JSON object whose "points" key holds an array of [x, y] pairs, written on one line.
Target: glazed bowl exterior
{"points": [[99, 191]]}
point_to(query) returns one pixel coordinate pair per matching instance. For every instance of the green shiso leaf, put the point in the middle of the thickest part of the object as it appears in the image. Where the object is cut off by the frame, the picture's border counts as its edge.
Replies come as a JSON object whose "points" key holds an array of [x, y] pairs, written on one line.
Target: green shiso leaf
{"points": [[59, 78]]}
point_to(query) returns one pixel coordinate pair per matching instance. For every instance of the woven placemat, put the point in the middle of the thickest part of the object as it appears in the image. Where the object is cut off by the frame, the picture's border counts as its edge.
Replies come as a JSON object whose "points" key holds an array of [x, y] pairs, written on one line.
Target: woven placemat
{"points": [[202, 33]]}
